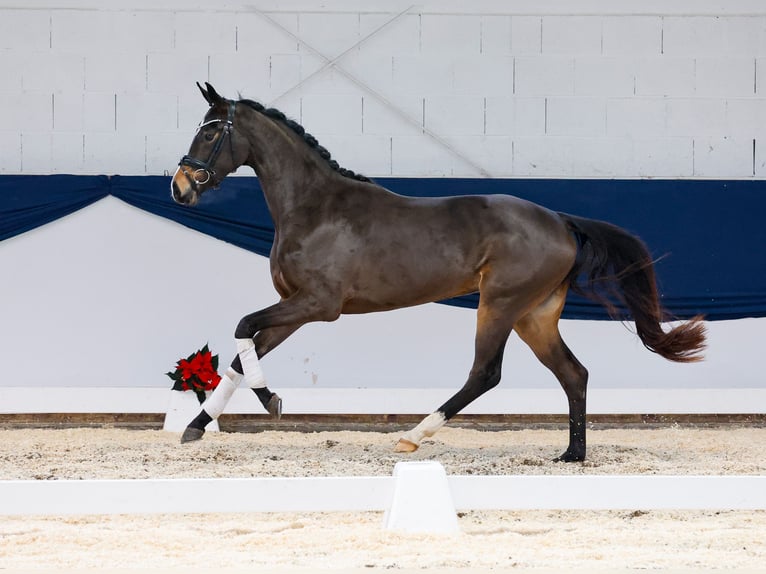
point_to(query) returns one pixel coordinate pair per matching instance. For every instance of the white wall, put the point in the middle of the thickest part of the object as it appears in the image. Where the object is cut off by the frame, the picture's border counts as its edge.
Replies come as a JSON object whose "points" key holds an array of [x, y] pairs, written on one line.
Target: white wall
{"points": [[111, 296], [550, 89]]}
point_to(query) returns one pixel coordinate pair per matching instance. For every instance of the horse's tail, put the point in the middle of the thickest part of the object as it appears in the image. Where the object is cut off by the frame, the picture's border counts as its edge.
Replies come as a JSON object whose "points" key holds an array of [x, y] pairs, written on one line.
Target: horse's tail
{"points": [[613, 265]]}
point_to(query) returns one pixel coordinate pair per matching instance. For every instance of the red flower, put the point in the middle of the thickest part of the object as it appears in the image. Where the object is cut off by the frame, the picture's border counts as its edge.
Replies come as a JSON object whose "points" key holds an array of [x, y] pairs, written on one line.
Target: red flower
{"points": [[198, 373]]}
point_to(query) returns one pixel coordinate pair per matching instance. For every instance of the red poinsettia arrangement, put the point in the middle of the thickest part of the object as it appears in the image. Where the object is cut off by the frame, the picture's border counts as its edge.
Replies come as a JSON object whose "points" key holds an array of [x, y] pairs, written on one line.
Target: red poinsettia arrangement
{"points": [[198, 373]]}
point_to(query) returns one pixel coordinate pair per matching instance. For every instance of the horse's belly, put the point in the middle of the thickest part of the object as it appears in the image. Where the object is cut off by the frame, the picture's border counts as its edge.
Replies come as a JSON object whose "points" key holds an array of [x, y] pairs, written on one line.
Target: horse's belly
{"points": [[385, 297]]}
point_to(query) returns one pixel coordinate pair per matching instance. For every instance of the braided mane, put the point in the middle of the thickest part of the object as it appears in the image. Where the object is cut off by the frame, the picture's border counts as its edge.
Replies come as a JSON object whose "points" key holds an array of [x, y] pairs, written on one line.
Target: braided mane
{"points": [[310, 140]]}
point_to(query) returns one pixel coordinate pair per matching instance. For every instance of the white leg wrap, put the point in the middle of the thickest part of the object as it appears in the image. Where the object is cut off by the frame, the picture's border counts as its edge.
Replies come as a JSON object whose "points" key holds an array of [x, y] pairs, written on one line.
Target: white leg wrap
{"points": [[217, 400], [251, 366], [427, 427]]}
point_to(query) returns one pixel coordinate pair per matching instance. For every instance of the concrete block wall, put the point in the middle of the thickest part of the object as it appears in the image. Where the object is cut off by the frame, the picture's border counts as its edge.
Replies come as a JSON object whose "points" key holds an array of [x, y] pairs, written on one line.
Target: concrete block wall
{"points": [[487, 88]]}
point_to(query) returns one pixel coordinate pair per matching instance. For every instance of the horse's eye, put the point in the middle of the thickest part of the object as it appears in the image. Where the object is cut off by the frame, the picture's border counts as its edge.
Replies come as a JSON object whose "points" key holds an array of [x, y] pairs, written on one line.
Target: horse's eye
{"points": [[209, 137]]}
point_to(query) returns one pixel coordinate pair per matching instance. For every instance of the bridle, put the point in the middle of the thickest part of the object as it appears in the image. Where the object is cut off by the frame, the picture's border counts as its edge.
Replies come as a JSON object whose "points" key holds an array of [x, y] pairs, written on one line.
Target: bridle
{"points": [[203, 170]]}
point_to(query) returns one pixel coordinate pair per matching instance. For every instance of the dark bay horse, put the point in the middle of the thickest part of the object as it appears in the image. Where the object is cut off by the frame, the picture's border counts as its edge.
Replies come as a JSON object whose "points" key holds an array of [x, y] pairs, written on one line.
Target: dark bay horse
{"points": [[346, 245]]}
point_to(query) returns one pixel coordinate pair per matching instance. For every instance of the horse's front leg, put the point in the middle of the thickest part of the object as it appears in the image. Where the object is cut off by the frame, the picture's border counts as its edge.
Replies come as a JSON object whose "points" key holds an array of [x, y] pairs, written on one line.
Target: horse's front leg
{"points": [[262, 343]]}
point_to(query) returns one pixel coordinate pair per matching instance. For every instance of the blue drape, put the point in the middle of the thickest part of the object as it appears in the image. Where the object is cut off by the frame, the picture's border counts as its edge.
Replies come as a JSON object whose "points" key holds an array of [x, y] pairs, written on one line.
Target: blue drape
{"points": [[710, 233]]}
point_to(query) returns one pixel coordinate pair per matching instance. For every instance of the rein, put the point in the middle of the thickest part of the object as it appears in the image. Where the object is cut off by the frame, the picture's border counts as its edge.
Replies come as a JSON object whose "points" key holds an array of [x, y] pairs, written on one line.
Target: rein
{"points": [[203, 170]]}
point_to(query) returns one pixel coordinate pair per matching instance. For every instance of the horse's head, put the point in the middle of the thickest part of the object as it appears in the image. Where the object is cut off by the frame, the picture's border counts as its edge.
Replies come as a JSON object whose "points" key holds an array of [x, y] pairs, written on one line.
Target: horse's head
{"points": [[215, 152]]}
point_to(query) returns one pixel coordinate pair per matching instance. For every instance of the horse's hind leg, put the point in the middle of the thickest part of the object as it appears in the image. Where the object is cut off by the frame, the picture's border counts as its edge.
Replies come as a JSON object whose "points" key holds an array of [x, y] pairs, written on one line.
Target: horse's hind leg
{"points": [[492, 332], [539, 329]]}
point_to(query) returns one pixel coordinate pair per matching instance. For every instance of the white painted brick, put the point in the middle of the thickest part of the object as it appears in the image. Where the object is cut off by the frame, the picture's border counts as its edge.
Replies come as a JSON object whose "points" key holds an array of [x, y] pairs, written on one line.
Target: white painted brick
{"points": [[572, 157], [10, 152], [663, 157], [544, 76], [311, 65], [396, 38], [100, 156], [596, 76], [80, 31], [515, 116], [164, 149], [205, 32], [374, 69], [144, 112], [44, 153], [422, 75], [723, 157], [500, 115], [140, 31], [745, 117], [696, 117], [543, 156], [576, 116], [380, 119], [68, 111], [329, 81], [368, 155], [635, 117], [25, 29], [726, 77], [496, 35], [32, 112], [760, 156], [99, 112], [526, 35], [115, 72], [571, 35], [36, 153], [529, 116], [239, 73], [172, 73], [284, 72], [257, 36], [454, 115], [327, 33], [421, 156], [632, 35], [67, 152], [332, 115], [53, 72], [695, 36], [450, 34], [484, 75], [494, 154], [745, 36], [665, 76], [602, 157], [12, 66]]}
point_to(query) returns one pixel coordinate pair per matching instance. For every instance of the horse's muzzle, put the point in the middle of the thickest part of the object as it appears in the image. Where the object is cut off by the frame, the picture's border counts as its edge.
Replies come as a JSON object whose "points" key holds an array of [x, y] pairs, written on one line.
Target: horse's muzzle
{"points": [[181, 189]]}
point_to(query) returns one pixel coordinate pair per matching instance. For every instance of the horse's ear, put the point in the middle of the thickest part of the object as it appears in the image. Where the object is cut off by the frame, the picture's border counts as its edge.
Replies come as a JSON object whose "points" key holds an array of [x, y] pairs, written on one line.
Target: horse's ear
{"points": [[211, 96]]}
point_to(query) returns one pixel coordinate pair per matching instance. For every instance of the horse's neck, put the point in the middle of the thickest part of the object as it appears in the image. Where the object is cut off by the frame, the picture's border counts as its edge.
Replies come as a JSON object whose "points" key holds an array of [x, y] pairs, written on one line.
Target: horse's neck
{"points": [[286, 167]]}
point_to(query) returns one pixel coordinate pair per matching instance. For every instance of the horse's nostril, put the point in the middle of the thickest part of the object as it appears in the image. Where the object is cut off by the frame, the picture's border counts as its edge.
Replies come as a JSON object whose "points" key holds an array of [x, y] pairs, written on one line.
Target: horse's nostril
{"points": [[175, 191]]}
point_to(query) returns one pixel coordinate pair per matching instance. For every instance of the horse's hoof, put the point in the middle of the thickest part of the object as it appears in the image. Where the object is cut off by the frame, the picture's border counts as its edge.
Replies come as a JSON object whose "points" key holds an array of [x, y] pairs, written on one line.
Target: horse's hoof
{"points": [[191, 434], [405, 445], [274, 406], [569, 456]]}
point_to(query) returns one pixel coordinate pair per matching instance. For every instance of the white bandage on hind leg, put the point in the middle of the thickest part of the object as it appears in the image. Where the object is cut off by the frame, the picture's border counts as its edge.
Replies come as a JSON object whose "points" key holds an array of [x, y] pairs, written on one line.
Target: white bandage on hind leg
{"points": [[251, 366], [217, 400], [427, 427]]}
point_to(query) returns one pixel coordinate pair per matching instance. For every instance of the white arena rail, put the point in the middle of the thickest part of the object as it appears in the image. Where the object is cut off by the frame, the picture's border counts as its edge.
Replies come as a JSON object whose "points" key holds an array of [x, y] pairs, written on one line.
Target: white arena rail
{"points": [[329, 494]]}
